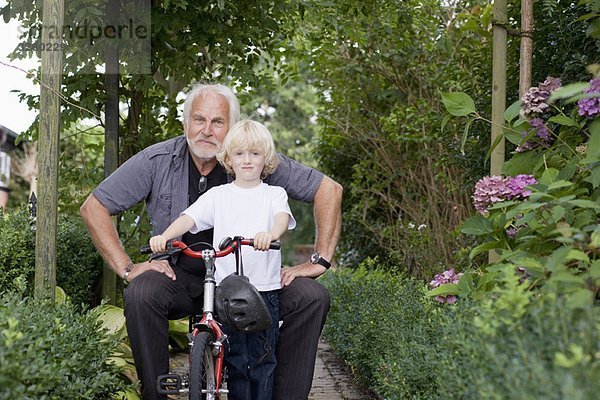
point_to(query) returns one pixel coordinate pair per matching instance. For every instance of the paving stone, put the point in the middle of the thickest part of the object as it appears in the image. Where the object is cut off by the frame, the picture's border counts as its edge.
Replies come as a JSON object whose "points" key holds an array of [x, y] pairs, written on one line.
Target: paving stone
{"points": [[331, 380]]}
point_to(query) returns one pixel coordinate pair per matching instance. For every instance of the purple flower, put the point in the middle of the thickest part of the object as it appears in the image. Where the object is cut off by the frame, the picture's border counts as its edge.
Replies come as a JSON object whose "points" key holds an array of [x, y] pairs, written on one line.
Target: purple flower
{"points": [[541, 138], [511, 232], [494, 189], [449, 299], [534, 102], [442, 278], [590, 107], [489, 189], [517, 186]]}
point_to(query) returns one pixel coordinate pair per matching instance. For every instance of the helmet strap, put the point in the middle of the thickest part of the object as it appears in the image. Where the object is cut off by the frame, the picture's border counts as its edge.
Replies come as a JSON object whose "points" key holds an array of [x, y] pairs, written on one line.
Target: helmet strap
{"points": [[239, 264]]}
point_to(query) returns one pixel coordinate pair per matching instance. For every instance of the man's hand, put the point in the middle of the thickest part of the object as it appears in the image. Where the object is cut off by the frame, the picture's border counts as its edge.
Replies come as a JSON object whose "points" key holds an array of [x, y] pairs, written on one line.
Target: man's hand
{"points": [[309, 270], [161, 266]]}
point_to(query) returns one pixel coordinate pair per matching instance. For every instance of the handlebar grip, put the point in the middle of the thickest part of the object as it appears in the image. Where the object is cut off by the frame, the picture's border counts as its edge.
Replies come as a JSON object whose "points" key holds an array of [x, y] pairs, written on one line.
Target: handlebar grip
{"points": [[145, 249], [275, 245]]}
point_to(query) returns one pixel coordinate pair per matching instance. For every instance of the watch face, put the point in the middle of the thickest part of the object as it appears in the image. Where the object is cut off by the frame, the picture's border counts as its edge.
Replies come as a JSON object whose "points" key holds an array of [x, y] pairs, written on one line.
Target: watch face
{"points": [[314, 257]]}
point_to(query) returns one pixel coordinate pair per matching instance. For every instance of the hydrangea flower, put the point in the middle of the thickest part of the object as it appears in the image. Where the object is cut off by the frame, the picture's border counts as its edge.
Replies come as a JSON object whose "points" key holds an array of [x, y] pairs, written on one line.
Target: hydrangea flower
{"points": [[590, 107], [494, 189], [542, 136], [517, 186], [535, 102], [448, 276]]}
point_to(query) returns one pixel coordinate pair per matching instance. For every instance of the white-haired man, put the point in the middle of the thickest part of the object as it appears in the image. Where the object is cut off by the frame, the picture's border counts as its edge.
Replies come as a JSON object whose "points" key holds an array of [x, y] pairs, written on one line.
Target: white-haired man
{"points": [[171, 175]]}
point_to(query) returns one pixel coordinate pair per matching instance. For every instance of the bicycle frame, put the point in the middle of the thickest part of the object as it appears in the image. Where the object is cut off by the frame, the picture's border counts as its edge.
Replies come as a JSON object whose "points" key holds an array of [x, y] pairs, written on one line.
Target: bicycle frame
{"points": [[207, 323]]}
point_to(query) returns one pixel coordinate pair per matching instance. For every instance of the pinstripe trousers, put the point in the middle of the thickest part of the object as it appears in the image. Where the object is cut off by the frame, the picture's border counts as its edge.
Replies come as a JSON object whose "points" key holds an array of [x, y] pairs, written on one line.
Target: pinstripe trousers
{"points": [[151, 299]]}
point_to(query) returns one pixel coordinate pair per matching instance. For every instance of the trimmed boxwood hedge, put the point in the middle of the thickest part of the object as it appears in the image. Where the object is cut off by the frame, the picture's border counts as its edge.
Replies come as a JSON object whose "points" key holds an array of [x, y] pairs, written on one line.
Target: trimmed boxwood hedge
{"points": [[55, 352], [404, 345], [79, 266]]}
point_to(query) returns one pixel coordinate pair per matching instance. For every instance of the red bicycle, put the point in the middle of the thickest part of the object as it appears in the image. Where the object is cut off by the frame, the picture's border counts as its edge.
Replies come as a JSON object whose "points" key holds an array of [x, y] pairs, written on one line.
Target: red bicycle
{"points": [[207, 346]]}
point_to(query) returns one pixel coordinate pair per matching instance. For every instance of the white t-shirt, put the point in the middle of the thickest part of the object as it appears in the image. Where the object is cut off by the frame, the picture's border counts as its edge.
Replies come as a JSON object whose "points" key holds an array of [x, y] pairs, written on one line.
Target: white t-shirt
{"points": [[235, 211]]}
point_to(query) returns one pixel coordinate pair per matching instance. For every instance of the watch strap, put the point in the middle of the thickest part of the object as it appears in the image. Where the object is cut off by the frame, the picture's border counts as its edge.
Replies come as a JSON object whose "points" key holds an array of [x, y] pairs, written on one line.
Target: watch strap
{"points": [[324, 262]]}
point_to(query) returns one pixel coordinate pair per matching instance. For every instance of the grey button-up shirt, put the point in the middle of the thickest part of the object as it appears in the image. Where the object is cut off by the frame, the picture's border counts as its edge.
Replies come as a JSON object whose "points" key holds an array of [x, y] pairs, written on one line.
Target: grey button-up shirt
{"points": [[159, 175]]}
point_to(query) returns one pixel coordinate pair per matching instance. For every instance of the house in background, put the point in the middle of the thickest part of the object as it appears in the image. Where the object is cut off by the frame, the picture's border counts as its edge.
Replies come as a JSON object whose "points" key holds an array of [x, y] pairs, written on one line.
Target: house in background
{"points": [[7, 146]]}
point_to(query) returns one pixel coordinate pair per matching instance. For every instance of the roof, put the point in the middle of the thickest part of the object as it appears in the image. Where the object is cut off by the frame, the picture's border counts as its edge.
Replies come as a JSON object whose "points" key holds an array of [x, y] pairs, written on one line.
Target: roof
{"points": [[7, 138]]}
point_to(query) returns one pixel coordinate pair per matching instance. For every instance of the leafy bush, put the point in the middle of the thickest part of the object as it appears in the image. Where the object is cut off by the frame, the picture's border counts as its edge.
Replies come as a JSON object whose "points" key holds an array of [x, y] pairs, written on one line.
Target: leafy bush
{"points": [[517, 344], [54, 352], [381, 325], [544, 221], [79, 266], [491, 350]]}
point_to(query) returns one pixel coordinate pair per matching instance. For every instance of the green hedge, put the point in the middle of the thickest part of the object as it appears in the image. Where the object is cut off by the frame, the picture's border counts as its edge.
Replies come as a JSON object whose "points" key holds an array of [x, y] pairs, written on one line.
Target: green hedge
{"points": [[404, 345], [54, 352], [79, 266]]}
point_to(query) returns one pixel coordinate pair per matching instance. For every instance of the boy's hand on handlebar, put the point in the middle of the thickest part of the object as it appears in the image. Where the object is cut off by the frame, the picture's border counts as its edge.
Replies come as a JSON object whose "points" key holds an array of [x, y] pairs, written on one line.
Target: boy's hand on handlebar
{"points": [[158, 244], [262, 240]]}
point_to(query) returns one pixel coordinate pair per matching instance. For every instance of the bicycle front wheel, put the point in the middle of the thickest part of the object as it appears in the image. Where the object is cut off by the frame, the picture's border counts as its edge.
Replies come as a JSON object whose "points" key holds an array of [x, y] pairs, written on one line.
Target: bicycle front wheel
{"points": [[202, 367]]}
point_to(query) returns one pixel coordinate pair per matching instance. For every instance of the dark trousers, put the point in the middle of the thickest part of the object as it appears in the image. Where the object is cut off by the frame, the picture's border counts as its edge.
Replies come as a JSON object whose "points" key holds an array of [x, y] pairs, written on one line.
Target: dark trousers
{"points": [[250, 358], [151, 299]]}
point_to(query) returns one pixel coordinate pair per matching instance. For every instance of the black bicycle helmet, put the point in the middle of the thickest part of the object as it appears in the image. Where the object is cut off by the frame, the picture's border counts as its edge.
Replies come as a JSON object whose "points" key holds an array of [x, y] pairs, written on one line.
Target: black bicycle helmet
{"points": [[239, 305]]}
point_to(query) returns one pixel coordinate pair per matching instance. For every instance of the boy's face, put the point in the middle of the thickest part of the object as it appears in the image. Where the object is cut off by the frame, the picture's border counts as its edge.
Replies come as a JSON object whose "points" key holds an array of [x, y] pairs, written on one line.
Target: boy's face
{"points": [[247, 164]]}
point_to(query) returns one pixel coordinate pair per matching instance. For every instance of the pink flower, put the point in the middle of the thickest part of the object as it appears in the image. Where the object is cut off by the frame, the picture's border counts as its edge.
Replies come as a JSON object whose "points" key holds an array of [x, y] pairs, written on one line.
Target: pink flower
{"points": [[494, 189], [448, 276]]}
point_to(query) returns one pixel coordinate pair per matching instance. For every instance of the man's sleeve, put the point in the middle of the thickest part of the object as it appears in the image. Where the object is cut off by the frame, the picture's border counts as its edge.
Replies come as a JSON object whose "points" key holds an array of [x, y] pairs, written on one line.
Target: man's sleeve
{"points": [[127, 186], [280, 204], [299, 181]]}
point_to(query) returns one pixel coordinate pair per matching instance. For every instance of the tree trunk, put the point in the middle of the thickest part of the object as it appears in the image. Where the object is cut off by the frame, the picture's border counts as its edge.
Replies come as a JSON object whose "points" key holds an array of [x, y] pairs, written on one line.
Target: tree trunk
{"points": [[49, 134], [111, 130], [498, 91], [527, 26]]}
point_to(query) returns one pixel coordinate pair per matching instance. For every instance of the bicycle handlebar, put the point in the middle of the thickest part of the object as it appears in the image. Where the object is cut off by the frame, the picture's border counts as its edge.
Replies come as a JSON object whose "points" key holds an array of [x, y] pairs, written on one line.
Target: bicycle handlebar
{"points": [[227, 245]]}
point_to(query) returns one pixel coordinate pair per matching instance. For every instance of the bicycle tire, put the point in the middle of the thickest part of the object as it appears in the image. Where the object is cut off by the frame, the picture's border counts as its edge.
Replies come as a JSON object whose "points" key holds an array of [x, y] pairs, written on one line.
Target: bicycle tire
{"points": [[202, 367]]}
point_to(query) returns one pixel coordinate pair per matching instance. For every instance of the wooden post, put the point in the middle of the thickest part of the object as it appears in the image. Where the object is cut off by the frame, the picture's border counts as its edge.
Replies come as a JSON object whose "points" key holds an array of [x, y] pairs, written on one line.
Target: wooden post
{"points": [[111, 129], [526, 54], [49, 135], [498, 91]]}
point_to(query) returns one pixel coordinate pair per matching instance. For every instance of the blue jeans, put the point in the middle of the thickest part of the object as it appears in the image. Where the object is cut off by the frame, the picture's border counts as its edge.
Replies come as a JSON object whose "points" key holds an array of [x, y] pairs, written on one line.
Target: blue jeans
{"points": [[250, 359]]}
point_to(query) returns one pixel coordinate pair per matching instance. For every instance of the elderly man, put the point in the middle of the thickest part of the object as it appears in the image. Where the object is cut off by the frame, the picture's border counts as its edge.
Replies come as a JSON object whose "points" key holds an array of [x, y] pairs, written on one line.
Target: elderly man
{"points": [[171, 175]]}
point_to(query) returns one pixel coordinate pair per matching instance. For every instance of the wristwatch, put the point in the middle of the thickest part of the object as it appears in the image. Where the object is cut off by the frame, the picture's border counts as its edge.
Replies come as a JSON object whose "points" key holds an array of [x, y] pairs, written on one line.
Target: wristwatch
{"points": [[128, 269], [315, 258]]}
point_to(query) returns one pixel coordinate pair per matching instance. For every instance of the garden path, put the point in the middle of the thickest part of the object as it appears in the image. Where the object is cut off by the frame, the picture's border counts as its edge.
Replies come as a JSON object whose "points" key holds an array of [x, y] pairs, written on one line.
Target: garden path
{"points": [[331, 380]]}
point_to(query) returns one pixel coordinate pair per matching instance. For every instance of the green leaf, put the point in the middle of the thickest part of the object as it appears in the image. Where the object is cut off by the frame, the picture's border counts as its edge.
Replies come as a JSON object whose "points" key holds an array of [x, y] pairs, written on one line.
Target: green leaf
{"points": [[583, 203], [577, 255], [557, 213], [477, 225], [458, 104], [465, 136], [443, 290], [559, 185], [562, 119], [568, 91], [595, 270], [465, 284], [594, 177], [549, 176], [580, 298], [593, 146], [513, 111], [557, 259], [482, 248]]}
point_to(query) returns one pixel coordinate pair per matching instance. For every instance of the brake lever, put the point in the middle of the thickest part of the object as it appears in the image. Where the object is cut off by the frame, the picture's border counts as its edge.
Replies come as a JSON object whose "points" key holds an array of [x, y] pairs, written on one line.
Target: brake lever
{"points": [[167, 254]]}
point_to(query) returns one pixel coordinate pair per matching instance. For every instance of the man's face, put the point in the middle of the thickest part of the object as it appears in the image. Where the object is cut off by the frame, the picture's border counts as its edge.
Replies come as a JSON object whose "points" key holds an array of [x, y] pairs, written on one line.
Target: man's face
{"points": [[207, 126]]}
